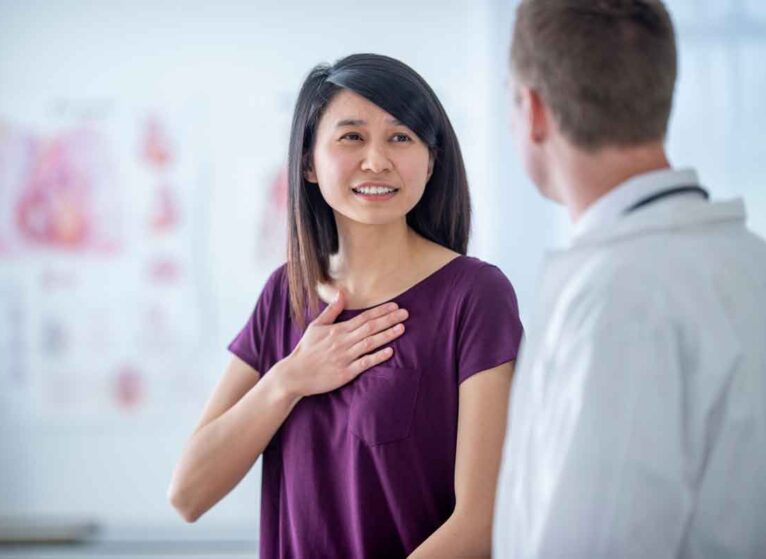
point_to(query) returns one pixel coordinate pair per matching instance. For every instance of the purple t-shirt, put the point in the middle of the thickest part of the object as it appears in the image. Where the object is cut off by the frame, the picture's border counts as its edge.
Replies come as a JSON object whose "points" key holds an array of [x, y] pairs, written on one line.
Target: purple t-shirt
{"points": [[367, 470]]}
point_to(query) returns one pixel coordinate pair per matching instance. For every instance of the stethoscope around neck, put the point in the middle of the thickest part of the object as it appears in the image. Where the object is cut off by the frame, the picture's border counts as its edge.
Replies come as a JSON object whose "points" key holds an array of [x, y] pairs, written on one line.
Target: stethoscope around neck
{"points": [[667, 194]]}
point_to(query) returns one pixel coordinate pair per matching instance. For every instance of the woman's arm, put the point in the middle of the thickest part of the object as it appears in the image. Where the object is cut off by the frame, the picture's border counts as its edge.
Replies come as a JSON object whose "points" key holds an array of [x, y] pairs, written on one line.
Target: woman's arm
{"points": [[481, 429], [238, 422]]}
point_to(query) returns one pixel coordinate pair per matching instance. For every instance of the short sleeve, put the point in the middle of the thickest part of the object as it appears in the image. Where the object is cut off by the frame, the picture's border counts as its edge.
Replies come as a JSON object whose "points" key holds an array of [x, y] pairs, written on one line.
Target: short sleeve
{"points": [[489, 327], [248, 344]]}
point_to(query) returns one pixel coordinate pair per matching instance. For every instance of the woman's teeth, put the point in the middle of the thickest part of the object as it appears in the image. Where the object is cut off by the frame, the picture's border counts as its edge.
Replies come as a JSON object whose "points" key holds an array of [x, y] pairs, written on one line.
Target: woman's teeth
{"points": [[374, 190]]}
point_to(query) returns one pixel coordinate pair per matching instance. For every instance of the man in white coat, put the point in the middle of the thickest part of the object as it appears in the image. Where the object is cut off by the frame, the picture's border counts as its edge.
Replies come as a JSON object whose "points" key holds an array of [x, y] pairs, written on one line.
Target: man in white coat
{"points": [[637, 425]]}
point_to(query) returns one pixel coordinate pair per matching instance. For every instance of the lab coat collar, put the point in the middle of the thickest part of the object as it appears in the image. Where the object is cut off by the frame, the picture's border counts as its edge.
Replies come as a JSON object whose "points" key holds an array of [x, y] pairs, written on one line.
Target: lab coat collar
{"points": [[608, 209], [607, 221], [667, 217]]}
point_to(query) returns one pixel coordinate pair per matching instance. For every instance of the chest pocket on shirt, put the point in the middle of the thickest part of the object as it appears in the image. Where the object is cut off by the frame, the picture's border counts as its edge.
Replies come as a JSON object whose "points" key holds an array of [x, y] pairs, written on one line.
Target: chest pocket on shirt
{"points": [[383, 404]]}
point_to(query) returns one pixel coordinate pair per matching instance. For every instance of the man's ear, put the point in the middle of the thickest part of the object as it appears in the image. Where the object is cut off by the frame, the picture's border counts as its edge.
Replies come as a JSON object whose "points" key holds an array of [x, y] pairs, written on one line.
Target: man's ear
{"points": [[535, 114]]}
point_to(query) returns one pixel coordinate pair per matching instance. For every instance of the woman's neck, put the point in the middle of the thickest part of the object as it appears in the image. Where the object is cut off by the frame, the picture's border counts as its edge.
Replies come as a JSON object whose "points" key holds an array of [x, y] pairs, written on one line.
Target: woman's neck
{"points": [[373, 262]]}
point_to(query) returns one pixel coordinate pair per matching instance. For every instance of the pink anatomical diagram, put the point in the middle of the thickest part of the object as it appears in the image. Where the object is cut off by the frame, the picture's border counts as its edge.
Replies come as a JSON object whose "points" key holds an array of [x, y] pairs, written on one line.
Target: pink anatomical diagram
{"points": [[158, 154], [165, 212], [156, 148], [128, 387], [67, 199]]}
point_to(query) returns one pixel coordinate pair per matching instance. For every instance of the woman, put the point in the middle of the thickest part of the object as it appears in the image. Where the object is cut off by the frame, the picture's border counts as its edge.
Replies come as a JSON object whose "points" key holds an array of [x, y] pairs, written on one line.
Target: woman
{"points": [[377, 441]]}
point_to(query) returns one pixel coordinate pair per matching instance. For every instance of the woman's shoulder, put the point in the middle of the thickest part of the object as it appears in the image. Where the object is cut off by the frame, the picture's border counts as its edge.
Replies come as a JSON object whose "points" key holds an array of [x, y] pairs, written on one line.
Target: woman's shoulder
{"points": [[485, 299], [473, 273], [276, 284], [279, 275], [465, 270]]}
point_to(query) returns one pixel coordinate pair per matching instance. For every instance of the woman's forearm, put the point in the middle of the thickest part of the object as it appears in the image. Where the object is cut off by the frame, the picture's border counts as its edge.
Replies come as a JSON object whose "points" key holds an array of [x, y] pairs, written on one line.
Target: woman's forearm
{"points": [[219, 454], [461, 536]]}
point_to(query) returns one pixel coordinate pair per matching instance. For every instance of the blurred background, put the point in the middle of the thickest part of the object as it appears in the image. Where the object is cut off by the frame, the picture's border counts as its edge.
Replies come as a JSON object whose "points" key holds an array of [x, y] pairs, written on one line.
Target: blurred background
{"points": [[142, 195]]}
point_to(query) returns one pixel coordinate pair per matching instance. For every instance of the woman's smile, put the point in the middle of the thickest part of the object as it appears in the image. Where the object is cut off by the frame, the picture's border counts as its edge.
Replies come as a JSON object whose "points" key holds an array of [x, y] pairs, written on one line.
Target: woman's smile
{"points": [[374, 192]]}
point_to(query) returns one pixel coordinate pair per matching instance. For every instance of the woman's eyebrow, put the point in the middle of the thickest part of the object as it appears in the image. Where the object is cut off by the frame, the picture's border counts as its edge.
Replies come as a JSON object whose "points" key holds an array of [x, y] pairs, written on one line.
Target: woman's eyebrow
{"points": [[361, 122], [350, 122]]}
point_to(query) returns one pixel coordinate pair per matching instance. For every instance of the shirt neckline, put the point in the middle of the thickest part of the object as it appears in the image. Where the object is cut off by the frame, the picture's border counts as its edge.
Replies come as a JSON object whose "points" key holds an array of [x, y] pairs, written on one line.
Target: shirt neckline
{"points": [[407, 292]]}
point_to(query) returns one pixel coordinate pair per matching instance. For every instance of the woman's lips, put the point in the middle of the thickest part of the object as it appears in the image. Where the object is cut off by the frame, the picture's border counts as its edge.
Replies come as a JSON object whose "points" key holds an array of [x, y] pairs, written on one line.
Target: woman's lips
{"points": [[375, 192]]}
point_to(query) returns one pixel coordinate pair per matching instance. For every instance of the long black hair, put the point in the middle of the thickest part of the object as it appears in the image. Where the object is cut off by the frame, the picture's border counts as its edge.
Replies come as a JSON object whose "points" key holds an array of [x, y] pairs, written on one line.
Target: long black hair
{"points": [[442, 215]]}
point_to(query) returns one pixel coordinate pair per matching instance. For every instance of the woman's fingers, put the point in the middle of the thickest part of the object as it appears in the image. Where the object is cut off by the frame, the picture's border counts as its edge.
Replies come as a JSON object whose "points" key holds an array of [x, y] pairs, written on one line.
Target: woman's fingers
{"points": [[377, 312], [370, 343], [333, 310], [363, 363], [373, 326]]}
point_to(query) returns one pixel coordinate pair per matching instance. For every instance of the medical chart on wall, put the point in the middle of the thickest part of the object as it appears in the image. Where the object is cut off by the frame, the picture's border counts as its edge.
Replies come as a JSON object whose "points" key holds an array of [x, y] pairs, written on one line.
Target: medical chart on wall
{"points": [[103, 288]]}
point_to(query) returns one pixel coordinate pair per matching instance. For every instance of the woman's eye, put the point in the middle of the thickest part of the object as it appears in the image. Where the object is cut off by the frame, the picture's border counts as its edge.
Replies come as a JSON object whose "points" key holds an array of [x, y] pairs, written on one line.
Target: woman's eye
{"points": [[401, 138], [351, 136]]}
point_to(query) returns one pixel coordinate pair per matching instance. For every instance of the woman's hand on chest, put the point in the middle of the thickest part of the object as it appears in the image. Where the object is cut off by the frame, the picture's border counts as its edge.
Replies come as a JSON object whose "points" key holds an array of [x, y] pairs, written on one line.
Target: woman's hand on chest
{"points": [[330, 355]]}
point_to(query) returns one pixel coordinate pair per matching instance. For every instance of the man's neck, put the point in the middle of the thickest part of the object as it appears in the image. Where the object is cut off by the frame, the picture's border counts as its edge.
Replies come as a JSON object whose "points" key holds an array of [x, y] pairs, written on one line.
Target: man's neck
{"points": [[581, 178]]}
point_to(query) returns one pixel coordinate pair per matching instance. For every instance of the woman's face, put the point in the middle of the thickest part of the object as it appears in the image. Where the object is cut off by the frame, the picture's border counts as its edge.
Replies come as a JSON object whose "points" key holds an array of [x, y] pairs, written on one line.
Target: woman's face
{"points": [[370, 168]]}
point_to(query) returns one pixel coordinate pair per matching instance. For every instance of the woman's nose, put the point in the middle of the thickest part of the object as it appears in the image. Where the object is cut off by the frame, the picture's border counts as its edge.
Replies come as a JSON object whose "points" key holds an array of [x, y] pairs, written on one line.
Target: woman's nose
{"points": [[376, 159]]}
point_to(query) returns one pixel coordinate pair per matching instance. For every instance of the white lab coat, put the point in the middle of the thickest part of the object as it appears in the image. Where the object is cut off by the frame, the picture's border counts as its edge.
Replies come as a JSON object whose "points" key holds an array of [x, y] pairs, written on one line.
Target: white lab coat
{"points": [[637, 423]]}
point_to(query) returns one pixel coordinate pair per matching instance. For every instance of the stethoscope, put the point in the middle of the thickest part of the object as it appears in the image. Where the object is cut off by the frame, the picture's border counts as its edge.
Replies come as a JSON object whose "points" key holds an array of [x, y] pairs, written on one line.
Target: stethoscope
{"points": [[667, 194]]}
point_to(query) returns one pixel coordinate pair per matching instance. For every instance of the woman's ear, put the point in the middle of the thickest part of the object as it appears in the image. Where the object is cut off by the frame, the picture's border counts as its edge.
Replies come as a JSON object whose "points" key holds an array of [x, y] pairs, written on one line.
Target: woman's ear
{"points": [[431, 161], [308, 171]]}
